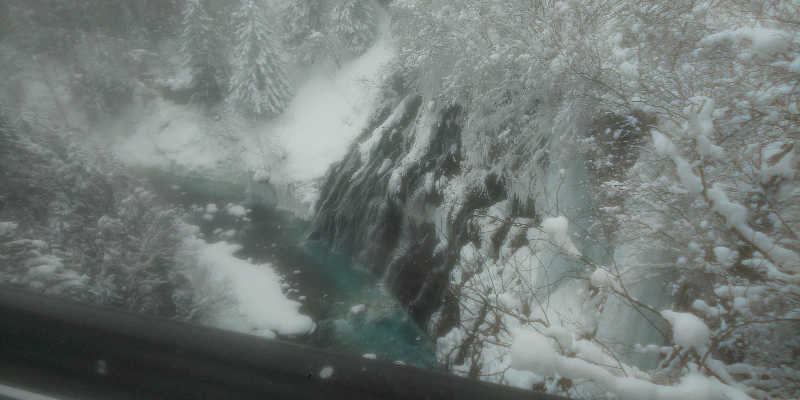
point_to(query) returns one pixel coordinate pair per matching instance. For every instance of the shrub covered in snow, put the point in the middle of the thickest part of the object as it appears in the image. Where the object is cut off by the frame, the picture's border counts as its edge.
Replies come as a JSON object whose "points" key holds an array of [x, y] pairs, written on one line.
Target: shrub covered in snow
{"points": [[676, 276], [74, 224]]}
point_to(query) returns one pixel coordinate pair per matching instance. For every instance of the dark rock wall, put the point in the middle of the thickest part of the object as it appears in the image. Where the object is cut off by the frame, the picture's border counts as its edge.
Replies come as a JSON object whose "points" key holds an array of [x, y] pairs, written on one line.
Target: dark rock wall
{"points": [[392, 230], [357, 213]]}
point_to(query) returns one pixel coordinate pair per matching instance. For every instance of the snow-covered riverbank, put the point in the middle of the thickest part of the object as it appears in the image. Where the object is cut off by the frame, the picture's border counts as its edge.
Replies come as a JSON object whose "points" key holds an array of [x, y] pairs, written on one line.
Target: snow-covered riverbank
{"points": [[331, 107]]}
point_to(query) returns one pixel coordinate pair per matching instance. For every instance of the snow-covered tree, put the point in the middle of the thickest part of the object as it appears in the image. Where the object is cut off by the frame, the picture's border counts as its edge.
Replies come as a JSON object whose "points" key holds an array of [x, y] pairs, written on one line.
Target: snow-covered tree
{"points": [[355, 24], [198, 44], [685, 274], [259, 84], [304, 18], [306, 24], [73, 223], [201, 50]]}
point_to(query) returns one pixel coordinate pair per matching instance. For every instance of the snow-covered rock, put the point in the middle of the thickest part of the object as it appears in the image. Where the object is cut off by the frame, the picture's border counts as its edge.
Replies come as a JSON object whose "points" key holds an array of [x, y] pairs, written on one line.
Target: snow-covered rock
{"points": [[358, 309], [236, 210]]}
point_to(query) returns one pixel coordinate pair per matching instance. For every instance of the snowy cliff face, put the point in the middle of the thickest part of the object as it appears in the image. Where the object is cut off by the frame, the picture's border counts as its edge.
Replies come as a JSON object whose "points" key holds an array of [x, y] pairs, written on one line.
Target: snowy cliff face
{"points": [[427, 205], [378, 203], [484, 237]]}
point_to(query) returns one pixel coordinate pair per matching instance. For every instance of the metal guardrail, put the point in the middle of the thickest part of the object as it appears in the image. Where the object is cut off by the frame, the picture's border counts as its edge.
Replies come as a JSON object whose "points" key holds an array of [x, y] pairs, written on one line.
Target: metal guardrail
{"points": [[74, 351]]}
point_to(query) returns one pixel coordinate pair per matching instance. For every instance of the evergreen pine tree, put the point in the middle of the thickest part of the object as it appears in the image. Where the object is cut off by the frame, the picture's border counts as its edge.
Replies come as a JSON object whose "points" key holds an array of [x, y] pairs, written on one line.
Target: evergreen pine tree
{"points": [[355, 24], [307, 28], [258, 80], [200, 50], [304, 18]]}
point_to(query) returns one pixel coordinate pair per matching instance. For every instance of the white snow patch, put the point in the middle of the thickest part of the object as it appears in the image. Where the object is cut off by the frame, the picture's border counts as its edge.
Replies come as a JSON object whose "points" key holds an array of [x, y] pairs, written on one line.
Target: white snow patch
{"points": [[257, 303], [703, 307], [328, 112], [602, 278], [534, 352], [429, 184], [688, 179], [521, 379], [740, 304], [366, 147], [43, 266], [688, 330], [171, 135], [735, 214], [701, 127], [725, 256], [236, 210], [556, 228], [795, 65], [387, 163], [764, 42], [423, 133], [509, 300], [663, 145], [326, 372], [395, 183], [358, 309]]}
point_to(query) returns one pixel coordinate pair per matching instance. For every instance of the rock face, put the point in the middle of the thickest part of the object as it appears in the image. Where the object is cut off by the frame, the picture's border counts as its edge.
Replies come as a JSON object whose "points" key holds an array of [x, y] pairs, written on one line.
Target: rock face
{"points": [[478, 226], [379, 202], [374, 203], [403, 201]]}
